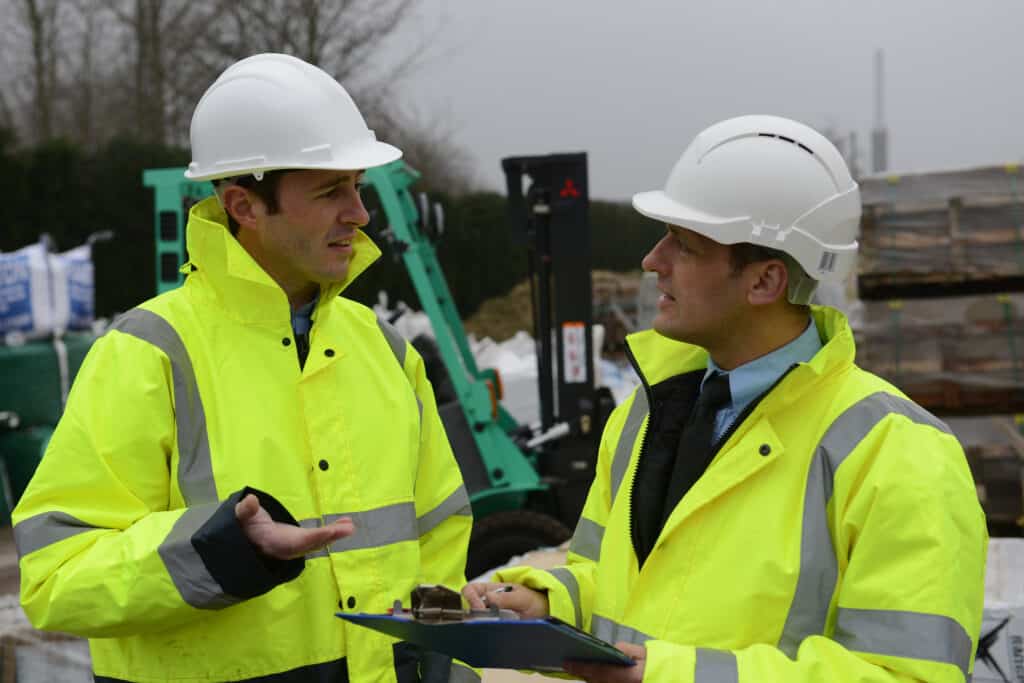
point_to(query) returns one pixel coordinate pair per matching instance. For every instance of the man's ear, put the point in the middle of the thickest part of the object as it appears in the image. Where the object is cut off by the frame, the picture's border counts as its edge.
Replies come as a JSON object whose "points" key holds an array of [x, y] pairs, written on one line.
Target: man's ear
{"points": [[240, 205], [768, 282]]}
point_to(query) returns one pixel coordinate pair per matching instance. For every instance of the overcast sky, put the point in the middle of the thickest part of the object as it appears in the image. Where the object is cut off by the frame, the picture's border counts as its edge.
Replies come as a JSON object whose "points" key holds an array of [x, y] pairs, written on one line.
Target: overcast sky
{"points": [[632, 82]]}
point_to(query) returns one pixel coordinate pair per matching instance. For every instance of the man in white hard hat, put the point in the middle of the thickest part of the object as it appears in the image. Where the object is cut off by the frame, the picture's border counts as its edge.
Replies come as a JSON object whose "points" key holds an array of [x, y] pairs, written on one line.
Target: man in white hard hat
{"points": [[245, 456], [764, 510]]}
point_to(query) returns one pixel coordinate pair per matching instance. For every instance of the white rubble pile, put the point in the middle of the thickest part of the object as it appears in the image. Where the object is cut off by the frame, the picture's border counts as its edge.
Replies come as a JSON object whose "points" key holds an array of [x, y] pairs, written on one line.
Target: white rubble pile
{"points": [[515, 359]]}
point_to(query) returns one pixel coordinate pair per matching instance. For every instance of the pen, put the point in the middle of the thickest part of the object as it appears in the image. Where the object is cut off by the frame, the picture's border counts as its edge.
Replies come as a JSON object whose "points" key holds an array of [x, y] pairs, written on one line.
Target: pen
{"points": [[502, 589]]}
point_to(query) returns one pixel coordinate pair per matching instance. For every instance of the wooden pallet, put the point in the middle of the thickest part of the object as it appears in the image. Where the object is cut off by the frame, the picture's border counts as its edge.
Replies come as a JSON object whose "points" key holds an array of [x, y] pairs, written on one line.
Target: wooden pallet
{"points": [[950, 398], [911, 285], [998, 472], [946, 233]]}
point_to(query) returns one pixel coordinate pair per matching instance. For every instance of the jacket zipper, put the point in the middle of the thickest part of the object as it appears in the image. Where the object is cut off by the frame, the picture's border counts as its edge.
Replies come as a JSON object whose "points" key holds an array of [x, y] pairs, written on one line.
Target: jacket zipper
{"points": [[643, 447]]}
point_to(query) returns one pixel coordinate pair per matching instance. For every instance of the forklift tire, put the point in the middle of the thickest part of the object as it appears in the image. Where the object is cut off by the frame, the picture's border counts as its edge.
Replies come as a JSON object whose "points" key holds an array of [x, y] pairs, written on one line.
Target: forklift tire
{"points": [[433, 364], [500, 536]]}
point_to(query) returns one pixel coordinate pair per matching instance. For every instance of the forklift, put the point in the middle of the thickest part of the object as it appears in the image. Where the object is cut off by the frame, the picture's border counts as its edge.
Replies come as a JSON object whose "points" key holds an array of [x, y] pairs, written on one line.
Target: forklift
{"points": [[527, 484]]}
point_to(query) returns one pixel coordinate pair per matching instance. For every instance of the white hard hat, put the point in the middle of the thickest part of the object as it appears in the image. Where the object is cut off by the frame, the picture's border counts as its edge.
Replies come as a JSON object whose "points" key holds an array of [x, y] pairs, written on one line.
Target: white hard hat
{"points": [[274, 111], [768, 181]]}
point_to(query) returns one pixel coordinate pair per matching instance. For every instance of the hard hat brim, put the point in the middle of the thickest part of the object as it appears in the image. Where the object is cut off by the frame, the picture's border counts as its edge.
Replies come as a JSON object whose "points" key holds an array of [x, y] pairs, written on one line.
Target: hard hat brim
{"points": [[365, 155], [657, 205], [361, 155], [806, 249]]}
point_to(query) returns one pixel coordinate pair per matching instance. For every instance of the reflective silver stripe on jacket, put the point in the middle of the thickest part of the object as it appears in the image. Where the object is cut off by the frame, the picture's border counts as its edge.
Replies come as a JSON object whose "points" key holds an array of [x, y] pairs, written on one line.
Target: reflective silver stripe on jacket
{"points": [[46, 529], [378, 527], [586, 540], [912, 635], [195, 474], [397, 343], [463, 674], [395, 340], [624, 448], [389, 524], [195, 471], [313, 523], [455, 504], [612, 631], [819, 571], [566, 578], [188, 572], [715, 666]]}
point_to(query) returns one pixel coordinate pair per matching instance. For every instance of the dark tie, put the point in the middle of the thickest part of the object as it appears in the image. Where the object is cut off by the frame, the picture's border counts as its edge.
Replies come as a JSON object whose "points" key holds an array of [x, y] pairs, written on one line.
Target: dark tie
{"points": [[302, 347], [696, 443]]}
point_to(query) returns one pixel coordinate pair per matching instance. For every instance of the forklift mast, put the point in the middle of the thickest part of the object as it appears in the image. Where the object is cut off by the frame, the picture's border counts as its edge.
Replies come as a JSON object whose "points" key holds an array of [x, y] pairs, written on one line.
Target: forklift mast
{"points": [[551, 219]]}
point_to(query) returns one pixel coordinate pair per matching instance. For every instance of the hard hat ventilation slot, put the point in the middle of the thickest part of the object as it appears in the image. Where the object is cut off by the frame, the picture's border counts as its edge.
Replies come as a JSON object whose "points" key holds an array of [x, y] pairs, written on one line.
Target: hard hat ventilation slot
{"points": [[789, 140]]}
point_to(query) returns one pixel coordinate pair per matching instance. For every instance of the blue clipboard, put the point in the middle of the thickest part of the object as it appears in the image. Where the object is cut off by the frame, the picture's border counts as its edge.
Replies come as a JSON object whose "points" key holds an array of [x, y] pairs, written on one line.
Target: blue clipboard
{"points": [[538, 644]]}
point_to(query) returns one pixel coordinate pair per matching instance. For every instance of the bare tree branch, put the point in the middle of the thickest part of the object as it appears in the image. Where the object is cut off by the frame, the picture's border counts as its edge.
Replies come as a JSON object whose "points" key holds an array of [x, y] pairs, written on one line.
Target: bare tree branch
{"points": [[82, 106], [41, 21], [115, 7], [140, 66]]}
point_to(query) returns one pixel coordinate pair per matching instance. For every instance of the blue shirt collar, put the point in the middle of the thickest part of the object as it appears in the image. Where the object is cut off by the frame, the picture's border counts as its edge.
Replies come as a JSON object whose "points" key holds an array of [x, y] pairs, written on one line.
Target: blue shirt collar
{"points": [[301, 316], [750, 380]]}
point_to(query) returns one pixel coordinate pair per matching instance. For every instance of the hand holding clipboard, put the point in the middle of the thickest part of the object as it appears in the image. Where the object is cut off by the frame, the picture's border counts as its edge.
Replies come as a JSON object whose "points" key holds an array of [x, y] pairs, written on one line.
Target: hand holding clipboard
{"points": [[493, 637]]}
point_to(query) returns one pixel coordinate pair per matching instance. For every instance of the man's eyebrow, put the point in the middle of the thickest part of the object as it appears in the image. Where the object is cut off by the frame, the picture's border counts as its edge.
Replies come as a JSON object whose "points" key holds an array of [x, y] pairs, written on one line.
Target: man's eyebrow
{"points": [[337, 180], [687, 239]]}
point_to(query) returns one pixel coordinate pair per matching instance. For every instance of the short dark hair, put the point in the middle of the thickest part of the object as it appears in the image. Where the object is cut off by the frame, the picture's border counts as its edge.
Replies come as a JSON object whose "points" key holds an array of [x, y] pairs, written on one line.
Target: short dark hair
{"points": [[742, 254], [265, 189]]}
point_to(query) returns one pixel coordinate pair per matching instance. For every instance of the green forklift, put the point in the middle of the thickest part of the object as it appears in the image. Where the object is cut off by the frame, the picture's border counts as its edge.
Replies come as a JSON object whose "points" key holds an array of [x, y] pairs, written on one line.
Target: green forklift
{"points": [[34, 381], [527, 484]]}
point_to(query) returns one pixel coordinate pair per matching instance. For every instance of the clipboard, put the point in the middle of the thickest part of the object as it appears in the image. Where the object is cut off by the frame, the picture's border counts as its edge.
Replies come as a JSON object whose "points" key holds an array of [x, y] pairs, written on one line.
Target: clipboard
{"points": [[537, 644]]}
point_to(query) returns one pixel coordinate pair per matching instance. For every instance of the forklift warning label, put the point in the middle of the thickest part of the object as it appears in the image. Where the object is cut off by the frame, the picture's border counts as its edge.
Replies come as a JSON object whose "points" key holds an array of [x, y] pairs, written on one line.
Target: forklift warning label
{"points": [[574, 352]]}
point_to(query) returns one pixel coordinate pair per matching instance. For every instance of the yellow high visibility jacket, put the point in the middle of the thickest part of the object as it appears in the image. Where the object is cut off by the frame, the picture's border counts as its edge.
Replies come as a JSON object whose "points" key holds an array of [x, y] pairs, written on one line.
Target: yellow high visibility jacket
{"points": [[836, 536], [127, 535]]}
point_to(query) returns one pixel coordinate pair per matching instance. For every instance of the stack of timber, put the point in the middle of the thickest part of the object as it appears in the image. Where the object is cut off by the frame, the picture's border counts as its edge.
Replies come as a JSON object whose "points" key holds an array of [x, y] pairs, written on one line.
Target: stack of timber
{"points": [[942, 233], [941, 278], [941, 262], [995, 453], [998, 471], [953, 355]]}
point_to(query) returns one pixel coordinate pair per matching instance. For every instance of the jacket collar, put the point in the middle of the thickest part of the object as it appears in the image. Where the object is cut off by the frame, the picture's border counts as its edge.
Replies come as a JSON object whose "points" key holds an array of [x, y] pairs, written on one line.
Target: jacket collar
{"points": [[225, 271], [657, 358]]}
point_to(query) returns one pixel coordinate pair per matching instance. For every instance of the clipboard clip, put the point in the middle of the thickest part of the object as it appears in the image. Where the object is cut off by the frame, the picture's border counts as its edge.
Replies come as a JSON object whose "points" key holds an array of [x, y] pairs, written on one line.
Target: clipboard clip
{"points": [[435, 604]]}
